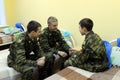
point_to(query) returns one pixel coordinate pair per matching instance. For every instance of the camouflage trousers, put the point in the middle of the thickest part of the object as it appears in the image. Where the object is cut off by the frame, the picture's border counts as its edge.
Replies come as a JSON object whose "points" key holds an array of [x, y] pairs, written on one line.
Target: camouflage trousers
{"points": [[26, 71], [33, 73], [77, 60]]}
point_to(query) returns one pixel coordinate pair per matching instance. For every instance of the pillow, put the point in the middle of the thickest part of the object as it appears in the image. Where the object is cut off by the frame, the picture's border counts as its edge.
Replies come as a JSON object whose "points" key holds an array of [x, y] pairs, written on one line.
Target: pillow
{"points": [[115, 56], [108, 52], [118, 42]]}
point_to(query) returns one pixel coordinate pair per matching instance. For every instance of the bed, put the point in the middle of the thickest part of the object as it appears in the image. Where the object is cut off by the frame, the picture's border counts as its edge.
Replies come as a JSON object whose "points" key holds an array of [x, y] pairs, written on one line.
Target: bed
{"points": [[69, 73], [73, 73], [7, 73]]}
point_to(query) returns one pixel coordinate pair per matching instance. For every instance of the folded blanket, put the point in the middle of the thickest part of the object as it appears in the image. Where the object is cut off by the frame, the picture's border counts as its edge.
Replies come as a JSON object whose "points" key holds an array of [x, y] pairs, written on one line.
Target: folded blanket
{"points": [[73, 73]]}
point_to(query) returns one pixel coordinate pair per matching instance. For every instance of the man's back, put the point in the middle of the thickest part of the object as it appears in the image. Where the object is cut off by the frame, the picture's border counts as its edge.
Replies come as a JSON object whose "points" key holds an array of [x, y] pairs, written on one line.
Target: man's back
{"points": [[94, 49], [94, 44]]}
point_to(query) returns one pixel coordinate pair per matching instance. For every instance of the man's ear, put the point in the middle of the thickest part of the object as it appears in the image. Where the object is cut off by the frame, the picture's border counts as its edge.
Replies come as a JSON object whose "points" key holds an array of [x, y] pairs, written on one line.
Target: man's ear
{"points": [[84, 29], [49, 24]]}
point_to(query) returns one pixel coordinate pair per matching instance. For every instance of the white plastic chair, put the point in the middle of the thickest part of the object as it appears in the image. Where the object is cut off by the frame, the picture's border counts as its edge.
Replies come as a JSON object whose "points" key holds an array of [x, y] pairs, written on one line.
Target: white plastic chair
{"points": [[68, 38], [115, 42]]}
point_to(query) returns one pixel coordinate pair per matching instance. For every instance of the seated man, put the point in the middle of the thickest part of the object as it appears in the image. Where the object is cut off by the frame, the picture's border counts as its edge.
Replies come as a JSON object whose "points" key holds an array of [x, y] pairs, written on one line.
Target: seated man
{"points": [[92, 56], [52, 41], [26, 56]]}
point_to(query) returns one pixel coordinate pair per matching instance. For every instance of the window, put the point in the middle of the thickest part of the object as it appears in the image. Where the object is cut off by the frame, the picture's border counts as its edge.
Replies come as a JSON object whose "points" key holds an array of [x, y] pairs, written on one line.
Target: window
{"points": [[2, 13]]}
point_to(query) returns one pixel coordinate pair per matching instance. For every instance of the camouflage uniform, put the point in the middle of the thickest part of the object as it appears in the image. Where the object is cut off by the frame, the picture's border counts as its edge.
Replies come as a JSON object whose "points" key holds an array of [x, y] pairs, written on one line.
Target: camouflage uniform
{"points": [[53, 42], [23, 55], [93, 55]]}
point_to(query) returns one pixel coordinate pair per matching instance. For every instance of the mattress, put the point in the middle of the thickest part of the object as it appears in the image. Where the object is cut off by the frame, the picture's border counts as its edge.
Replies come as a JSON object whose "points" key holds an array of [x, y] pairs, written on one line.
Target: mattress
{"points": [[73, 73]]}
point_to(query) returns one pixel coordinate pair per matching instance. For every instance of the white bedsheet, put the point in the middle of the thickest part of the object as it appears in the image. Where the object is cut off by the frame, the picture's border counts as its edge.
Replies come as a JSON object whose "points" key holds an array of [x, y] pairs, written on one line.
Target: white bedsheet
{"points": [[7, 73]]}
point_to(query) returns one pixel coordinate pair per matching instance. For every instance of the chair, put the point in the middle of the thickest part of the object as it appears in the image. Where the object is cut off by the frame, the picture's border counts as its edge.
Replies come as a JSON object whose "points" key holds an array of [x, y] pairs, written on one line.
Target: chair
{"points": [[115, 42], [68, 38]]}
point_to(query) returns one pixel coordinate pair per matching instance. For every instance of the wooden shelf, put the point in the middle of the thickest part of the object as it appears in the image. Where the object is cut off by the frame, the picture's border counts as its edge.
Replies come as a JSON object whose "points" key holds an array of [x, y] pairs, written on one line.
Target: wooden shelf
{"points": [[5, 43], [5, 46], [4, 25]]}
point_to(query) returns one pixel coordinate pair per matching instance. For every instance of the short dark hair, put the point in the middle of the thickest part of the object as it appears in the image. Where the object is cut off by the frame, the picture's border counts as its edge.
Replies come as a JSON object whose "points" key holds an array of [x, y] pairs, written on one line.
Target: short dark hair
{"points": [[87, 23], [33, 26]]}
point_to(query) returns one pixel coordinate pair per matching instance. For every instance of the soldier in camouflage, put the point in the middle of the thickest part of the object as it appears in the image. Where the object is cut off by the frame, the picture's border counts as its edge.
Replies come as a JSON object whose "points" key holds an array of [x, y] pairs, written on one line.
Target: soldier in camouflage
{"points": [[52, 40], [92, 56], [26, 56]]}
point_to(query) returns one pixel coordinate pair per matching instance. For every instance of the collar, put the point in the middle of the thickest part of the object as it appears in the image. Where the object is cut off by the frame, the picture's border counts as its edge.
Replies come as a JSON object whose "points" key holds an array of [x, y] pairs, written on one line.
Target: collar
{"points": [[52, 32], [89, 33], [27, 37]]}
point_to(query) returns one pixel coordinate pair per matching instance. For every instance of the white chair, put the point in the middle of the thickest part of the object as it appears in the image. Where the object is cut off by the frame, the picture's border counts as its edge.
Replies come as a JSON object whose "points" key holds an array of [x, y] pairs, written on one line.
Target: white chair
{"points": [[115, 42], [68, 38]]}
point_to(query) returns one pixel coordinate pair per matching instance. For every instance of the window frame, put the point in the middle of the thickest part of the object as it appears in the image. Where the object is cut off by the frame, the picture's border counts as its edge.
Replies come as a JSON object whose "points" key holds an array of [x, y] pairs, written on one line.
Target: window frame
{"points": [[2, 14]]}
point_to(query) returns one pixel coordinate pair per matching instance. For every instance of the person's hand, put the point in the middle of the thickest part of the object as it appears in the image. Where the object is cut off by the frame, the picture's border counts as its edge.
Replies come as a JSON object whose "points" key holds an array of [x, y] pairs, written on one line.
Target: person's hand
{"points": [[63, 54], [41, 61], [72, 51]]}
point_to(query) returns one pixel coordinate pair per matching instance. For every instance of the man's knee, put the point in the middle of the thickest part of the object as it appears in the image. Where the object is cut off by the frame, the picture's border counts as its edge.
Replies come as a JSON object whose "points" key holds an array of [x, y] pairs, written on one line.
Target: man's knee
{"points": [[22, 69], [28, 75], [36, 73], [66, 63], [69, 62], [28, 72], [32, 74]]}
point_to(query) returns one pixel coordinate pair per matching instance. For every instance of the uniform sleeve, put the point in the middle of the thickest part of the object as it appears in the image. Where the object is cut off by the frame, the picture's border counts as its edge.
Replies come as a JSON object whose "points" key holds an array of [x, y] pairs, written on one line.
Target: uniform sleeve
{"points": [[85, 52], [79, 57], [20, 54], [37, 50], [65, 46], [45, 45]]}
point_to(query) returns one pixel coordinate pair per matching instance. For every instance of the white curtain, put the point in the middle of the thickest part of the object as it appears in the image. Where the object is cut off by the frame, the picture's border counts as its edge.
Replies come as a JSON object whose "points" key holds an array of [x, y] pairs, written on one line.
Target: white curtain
{"points": [[2, 13]]}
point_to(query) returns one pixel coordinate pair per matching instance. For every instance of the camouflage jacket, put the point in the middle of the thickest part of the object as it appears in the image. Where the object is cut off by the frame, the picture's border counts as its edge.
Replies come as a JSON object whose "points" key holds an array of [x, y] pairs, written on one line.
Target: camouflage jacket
{"points": [[93, 56], [24, 51], [94, 53], [53, 41]]}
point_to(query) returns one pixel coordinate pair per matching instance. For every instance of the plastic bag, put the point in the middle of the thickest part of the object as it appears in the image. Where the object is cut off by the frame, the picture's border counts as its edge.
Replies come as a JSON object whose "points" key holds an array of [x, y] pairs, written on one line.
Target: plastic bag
{"points": [[115, 56]]}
